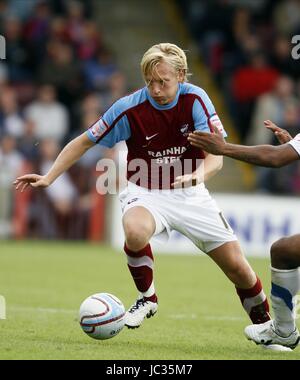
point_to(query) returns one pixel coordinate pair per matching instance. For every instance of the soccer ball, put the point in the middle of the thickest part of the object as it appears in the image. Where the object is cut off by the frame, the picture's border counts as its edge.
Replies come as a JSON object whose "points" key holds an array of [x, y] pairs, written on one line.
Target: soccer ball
{"points": [[102, 316]]}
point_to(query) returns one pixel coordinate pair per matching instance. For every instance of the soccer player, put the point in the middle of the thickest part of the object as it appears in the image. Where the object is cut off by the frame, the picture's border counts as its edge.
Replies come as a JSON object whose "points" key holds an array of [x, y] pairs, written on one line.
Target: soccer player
{"points": [[166, 177], [285, 253]]}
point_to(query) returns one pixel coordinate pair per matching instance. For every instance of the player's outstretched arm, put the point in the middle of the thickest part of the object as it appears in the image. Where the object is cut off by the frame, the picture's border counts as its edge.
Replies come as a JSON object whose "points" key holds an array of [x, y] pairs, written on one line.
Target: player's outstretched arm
{"points": [[261, 155], [68, 156]]}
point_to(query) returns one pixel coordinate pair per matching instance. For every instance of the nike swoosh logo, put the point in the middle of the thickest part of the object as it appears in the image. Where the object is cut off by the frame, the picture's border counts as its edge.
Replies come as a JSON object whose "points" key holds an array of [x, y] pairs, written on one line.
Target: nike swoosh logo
{"points": [[151, 137]]}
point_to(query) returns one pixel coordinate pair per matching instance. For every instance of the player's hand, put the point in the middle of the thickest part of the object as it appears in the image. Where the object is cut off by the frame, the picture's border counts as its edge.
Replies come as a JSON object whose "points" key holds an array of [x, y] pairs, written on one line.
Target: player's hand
{"points": [[213, 143], [185, 181], [281, 134], [34, 180]]}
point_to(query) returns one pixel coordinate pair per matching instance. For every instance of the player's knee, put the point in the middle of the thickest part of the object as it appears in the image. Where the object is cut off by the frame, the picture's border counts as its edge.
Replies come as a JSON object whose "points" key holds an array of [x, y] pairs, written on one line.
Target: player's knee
{"points": [[281, 254], [136, 242], [137, 235]]}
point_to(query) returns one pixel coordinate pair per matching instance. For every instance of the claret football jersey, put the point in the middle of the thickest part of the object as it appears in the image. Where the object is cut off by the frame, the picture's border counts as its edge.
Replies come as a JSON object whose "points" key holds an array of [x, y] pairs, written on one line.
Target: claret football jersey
{"points": [[156, 135]]}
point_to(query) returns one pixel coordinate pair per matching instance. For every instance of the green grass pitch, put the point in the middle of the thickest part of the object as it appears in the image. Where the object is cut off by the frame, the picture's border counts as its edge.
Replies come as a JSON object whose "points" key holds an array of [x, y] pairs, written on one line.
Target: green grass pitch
{"points": [[199, 316]]}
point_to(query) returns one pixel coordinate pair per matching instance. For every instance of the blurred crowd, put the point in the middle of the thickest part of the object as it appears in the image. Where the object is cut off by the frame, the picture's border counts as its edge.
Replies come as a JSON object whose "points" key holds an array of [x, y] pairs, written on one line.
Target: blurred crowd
{"points": [[59, 76], [57, 79], [247, 45]]}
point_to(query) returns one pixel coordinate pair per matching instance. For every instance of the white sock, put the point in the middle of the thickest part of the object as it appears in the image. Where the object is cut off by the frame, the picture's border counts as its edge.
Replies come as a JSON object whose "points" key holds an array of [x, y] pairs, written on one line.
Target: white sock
{"points": [[285, 286], [150, 291]]}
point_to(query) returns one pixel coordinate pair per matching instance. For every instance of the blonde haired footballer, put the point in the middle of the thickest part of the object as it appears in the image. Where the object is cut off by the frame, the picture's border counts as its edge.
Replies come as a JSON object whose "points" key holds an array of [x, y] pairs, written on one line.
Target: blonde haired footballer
{"points": [[166, 177]]}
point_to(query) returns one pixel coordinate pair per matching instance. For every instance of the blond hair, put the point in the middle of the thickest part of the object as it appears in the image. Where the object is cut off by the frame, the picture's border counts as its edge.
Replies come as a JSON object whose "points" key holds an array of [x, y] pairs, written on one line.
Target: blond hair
{"points": [[164, 52]]}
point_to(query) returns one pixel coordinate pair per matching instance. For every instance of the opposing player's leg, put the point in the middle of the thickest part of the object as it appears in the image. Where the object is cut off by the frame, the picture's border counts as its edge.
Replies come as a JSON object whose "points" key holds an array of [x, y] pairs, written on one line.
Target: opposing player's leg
{"points": [[139, 226], [285, 262], [230, 259], [285, 253]]}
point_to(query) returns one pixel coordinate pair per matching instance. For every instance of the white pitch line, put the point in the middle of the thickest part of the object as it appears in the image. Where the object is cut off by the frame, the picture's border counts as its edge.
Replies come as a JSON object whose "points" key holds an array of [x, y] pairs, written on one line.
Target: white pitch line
{"points": [[210, 318], [16, 308], [223, 318], [30, 309], [183, 316]]}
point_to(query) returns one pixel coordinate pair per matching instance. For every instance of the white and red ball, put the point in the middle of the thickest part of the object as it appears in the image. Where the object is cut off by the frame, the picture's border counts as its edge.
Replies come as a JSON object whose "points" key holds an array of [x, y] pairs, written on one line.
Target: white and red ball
{"points": [[102, 316]]}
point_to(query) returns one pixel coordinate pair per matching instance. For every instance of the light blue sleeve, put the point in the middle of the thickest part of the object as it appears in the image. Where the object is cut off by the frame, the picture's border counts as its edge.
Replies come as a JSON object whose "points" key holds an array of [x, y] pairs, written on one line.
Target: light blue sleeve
{"points": [[204, 113], [204, 122], [112, 127]]}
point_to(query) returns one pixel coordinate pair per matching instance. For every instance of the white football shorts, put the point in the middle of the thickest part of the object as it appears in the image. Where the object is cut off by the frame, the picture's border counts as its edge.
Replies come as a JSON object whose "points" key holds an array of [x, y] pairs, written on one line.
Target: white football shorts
{"points": [[190, 211]]}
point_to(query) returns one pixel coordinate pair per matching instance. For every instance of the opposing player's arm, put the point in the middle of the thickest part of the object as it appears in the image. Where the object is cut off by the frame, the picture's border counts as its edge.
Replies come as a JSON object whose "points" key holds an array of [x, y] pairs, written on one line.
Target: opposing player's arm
{"points": [[261, 155], [68, 156]]}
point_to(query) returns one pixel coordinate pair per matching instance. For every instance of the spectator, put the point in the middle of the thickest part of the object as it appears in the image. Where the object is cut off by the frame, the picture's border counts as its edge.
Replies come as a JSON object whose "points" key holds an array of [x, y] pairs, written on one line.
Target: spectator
{"points": [[53, 208], [28, 144], [75, 21], [58, 30], [282, 59], [117, 87], [62, 70], [90, 42], [3, 14], [271, 105], [21, 9], [248, 83], [18, 54], [11, 163], [50, 118], [91, 104], [287, 16], [98, 72], [254, 79], [11, 121], [3, 75], [36, 30]]}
